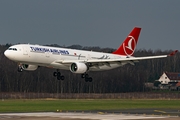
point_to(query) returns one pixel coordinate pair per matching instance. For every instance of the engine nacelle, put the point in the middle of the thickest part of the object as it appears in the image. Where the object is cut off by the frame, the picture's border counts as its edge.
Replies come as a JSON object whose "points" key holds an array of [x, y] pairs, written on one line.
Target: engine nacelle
{"points": [[78, 67], [29, 67]]}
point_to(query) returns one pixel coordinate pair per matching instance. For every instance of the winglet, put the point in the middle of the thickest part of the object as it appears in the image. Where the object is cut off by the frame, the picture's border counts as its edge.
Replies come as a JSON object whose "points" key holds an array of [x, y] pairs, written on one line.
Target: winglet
{"points": [[173, 53]]}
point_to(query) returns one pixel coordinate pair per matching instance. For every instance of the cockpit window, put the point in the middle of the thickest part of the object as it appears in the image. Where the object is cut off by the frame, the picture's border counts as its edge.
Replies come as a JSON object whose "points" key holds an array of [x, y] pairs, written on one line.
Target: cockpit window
{"points": [[12, 49]]}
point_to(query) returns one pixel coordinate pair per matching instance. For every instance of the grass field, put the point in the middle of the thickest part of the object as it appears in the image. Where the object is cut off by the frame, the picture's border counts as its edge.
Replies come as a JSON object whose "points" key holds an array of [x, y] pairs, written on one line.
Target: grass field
{"points": [[81, 104]]}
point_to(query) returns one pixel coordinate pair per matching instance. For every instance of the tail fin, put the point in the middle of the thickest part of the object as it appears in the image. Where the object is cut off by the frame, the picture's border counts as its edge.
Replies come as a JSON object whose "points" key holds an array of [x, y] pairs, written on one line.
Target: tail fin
{"points": [[128, 47]]}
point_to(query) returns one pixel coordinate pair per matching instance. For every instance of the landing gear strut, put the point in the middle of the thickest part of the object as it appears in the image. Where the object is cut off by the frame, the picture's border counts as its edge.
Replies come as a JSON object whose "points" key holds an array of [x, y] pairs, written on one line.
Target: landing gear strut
{"points": [[58, 75], [20, 69], [86, 77]]}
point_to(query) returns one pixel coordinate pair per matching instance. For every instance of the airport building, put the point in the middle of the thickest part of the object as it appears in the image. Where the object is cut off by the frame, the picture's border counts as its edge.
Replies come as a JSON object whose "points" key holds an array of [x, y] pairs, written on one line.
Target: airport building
{"points": [[169, 80]]}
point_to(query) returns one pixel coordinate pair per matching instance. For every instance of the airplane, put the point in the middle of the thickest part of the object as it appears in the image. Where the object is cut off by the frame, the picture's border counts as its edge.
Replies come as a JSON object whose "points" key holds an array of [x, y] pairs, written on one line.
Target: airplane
{"points": [[30, 57]]}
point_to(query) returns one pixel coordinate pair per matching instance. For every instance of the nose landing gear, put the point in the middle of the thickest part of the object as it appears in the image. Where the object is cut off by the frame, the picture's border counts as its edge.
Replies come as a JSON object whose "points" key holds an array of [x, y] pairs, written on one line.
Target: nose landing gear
{"points": [[20, 69]]}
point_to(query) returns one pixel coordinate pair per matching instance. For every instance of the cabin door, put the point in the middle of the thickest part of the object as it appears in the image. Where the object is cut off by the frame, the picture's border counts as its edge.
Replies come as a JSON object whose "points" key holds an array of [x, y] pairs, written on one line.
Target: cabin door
{"points": [[25, 51]]}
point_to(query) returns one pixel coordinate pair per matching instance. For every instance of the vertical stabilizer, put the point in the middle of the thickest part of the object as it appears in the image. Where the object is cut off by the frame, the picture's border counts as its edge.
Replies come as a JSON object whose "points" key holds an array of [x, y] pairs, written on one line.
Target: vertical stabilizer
{"points": [[128, 47]]}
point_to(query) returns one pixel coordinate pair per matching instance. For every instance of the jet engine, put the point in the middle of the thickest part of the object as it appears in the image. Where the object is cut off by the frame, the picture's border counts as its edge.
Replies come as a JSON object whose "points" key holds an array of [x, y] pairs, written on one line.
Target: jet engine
{"points": [[29, 67], [78, 67]]}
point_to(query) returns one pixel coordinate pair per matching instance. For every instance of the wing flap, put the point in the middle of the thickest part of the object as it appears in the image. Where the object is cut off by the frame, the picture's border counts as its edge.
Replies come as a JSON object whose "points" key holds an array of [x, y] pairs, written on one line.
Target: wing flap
{"points": [[134, 59], [118, 60]]}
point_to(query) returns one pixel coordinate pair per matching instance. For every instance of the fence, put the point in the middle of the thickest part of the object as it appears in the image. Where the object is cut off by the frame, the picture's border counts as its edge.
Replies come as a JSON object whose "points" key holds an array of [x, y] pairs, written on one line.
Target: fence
{"points": [[89, 96]]}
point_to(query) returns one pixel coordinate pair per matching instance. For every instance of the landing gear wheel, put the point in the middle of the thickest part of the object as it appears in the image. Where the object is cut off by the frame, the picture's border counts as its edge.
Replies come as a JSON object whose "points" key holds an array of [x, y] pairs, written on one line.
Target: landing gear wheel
{"points": [[62, 77], [86, 78], [82, 75], [90, 79], [58, 75], [55, 74]]}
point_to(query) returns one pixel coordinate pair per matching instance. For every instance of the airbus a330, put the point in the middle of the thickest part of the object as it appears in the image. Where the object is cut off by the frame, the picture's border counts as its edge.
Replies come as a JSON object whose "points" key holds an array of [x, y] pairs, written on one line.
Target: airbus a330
{"points": [[30, 57]]}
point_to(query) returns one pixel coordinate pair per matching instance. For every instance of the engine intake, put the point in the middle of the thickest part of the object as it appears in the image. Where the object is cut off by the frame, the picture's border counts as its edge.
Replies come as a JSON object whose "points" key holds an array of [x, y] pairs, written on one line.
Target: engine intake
{"points": [[29, 67], [78, 67]]}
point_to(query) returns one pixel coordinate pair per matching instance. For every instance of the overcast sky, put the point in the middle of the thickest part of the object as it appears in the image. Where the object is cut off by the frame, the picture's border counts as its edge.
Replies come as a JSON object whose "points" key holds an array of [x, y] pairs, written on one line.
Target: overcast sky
{"points": [[104, 23]]}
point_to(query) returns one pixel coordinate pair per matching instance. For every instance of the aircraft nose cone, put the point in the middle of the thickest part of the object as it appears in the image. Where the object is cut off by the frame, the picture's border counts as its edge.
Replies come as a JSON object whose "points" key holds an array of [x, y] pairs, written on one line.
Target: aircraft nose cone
{"points": [[6, 53]]}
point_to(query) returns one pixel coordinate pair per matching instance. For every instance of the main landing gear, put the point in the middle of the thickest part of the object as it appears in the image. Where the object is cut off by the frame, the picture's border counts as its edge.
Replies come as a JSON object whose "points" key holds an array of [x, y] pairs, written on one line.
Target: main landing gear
{"points": [[86, 77], [58, 75]]}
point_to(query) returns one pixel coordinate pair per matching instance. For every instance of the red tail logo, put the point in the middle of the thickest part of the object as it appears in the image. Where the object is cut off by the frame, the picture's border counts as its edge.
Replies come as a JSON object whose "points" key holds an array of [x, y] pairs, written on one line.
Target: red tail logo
{"points": [[129, 45]]}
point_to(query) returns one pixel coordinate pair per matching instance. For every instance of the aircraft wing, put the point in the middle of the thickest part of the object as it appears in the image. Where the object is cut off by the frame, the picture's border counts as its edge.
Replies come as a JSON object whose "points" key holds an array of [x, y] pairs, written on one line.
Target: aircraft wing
{"points": [[128, 59]]}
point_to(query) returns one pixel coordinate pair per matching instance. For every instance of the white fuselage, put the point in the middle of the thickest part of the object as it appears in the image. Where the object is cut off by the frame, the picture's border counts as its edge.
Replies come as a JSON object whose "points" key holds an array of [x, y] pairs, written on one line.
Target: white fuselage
{"points": [[50, 56]]}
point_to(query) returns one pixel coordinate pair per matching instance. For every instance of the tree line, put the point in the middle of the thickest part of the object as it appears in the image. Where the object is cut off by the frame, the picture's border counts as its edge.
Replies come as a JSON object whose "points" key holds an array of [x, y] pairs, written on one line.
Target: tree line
{"points": [[127, 78]]}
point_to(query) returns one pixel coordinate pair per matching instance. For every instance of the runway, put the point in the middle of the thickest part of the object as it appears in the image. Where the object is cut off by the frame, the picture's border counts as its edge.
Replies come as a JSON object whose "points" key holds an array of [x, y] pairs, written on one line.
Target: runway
{"points": [[81, 116]]}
